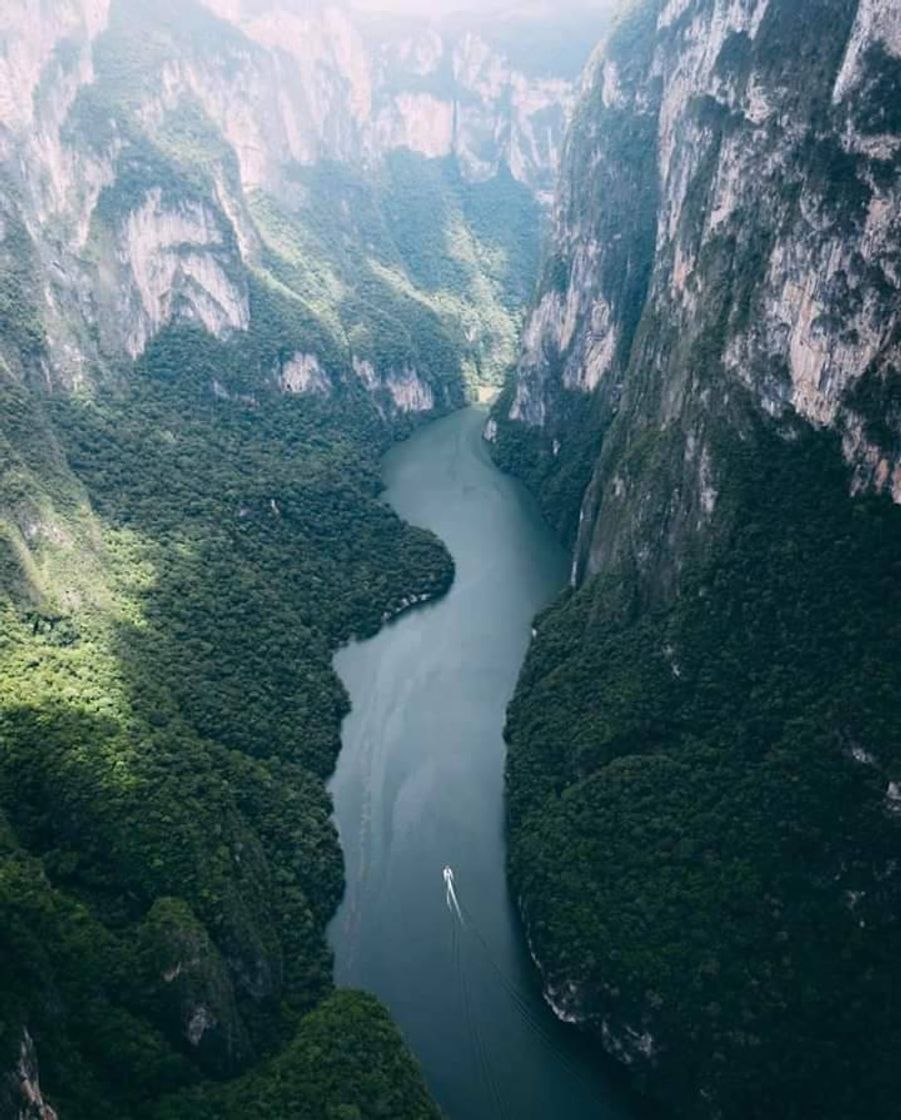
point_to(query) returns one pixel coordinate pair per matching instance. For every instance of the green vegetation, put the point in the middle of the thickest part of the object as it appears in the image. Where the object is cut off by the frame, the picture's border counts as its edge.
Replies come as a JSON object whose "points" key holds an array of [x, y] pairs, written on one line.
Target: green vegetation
{"points": [[785, 49], [21, 329], [877, 108], [168, 713], [699, 822], [409, 269], [559, 480], [346, 1063], [704, 766], [182, 549]]}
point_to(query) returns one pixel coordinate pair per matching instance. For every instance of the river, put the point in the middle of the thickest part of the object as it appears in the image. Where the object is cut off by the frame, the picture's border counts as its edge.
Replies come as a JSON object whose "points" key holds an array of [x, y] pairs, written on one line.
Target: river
{"points": [[419, 785]]}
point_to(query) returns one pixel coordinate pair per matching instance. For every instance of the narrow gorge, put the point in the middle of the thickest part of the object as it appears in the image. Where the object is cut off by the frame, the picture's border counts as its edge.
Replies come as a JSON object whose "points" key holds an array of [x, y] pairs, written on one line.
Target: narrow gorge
{"points": [[247, 246], [243, 247]]}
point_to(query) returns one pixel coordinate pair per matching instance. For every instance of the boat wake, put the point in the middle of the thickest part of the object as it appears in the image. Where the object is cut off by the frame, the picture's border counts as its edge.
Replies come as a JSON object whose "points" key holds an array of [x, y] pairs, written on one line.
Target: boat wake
{"points": [[451, 897]]}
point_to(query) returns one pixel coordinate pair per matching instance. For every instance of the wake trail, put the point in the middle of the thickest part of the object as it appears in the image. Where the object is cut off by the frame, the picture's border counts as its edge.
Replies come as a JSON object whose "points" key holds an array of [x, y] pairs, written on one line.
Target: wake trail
{"points": [[451, 895], [521, 1002], [527, 1014], [480, 1055]]}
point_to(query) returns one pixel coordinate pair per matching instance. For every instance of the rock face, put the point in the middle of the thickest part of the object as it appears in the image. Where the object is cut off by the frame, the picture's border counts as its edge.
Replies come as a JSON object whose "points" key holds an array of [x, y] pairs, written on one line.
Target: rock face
{"points": [[708, 404], [21, 1095], [711, 200], [171, 256], [156, 161], [351, 88]]}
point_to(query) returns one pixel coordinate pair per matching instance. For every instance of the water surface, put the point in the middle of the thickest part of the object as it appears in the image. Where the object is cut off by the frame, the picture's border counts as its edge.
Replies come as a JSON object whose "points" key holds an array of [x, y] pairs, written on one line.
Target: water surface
{"points": [[419, 785]]}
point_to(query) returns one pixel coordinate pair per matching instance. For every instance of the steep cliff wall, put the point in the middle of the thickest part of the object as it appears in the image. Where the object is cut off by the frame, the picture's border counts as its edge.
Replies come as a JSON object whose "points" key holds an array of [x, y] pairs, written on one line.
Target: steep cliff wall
{"points": [[703, 744], [358, 87], [242, 246], [735, 211], [159, 157]]}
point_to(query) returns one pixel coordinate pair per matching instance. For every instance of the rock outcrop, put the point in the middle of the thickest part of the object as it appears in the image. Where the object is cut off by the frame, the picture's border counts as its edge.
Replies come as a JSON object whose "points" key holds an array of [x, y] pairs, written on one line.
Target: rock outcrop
{"points": [[20, 1096]]}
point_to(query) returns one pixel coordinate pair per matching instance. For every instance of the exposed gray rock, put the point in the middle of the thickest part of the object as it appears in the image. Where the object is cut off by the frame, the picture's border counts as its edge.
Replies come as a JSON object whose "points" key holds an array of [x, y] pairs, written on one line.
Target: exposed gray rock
{"points": [[719, 211]]}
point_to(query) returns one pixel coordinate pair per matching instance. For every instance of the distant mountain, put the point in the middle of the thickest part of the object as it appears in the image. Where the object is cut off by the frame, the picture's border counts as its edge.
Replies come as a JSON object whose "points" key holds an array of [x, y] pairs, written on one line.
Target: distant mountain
{"points": [[250, 132]]}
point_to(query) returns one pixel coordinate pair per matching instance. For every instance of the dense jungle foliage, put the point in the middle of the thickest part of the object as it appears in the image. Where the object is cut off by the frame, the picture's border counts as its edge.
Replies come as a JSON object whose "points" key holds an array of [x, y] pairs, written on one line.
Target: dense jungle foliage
{"points": [[558, 481], [704, 777], [704, 825], [180, 560], [182, 548]]}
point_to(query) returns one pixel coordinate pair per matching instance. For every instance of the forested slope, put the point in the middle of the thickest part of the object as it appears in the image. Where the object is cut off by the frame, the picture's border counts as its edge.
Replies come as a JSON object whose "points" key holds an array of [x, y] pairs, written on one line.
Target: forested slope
{"points": [[169, 714], [233, 268], [703, 776]]}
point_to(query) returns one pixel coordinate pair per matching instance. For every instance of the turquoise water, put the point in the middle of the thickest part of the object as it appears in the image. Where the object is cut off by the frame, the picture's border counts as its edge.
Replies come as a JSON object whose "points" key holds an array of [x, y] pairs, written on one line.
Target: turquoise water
{"points": [[419, 785]]}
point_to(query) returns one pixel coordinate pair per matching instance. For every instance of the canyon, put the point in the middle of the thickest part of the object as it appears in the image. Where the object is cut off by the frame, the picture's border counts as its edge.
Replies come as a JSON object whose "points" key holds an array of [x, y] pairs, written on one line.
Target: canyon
{"points": [[245, 247]]}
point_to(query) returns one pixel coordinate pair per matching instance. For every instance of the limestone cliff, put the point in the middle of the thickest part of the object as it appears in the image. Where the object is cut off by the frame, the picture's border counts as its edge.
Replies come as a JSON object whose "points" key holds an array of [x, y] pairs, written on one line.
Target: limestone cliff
{"points": [[350, 87], [157, 160], [21, 1097], [702, 752], [717, 209]]}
